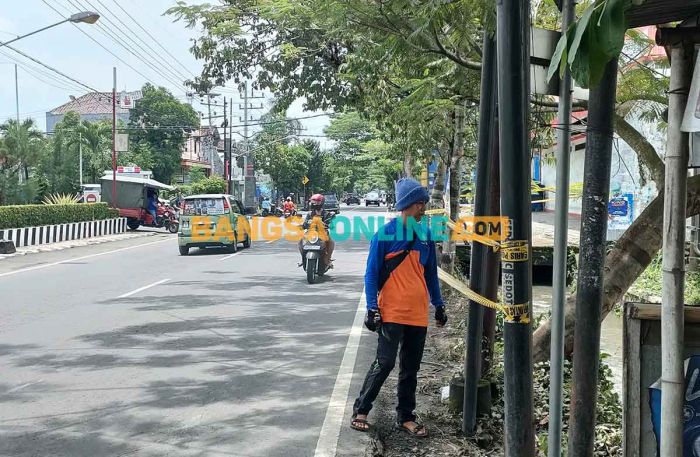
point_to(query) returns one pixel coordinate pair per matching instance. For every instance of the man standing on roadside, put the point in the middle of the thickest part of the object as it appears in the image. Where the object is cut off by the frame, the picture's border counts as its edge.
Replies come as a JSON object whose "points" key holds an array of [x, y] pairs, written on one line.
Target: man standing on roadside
{"points": [[401, 278]]}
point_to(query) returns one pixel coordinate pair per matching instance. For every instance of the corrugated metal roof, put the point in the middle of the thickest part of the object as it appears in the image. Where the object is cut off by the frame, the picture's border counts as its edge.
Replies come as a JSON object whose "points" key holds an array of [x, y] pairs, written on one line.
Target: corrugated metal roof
{"points": [[654, 12], [92, 103]]}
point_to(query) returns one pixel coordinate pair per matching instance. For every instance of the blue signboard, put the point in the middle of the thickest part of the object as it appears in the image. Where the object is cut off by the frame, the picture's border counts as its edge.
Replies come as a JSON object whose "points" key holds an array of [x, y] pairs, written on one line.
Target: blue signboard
{"points": [[691, 408], [618, 206], [536, 171]]}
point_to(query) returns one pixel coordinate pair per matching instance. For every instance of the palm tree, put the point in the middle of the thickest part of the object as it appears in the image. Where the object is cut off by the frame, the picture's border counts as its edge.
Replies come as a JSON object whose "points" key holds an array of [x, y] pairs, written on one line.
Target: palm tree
{"points": [[95, 138], [21, 145]]}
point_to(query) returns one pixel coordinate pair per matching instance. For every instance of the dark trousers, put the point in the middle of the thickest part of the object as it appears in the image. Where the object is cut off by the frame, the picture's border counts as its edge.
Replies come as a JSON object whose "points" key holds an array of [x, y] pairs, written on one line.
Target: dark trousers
{"points": [[411, 340]]}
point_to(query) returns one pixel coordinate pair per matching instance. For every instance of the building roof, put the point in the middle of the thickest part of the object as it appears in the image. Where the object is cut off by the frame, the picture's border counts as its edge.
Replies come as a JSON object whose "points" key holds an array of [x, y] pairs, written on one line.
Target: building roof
{"points": [[93, 103]]}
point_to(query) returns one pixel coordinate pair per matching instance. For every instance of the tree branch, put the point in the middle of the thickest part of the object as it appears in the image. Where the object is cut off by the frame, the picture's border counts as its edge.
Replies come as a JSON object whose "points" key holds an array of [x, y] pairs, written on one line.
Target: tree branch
{"points": [[645, 151], [472, 65]]}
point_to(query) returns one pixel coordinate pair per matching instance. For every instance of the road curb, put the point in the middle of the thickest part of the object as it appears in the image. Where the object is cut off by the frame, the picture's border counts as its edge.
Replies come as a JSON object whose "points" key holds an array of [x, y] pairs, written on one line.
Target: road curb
{"points": [[38, 249]]}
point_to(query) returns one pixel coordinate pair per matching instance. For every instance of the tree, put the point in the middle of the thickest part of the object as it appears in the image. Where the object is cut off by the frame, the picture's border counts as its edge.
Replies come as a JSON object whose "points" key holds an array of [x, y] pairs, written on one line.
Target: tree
{"points": [[161, 122], [96, 139], [20, 150]]}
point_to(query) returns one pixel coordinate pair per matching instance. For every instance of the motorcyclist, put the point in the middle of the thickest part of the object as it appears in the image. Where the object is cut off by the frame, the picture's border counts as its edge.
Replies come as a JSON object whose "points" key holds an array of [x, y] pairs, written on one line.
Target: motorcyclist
{"points": [[289, 206], [266, 206], [316, 211], [153, 205]]}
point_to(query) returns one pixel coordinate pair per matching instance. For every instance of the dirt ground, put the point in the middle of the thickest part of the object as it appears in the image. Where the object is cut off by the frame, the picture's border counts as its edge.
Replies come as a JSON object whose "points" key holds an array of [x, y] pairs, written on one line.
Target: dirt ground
{"points": [[438, 367]]}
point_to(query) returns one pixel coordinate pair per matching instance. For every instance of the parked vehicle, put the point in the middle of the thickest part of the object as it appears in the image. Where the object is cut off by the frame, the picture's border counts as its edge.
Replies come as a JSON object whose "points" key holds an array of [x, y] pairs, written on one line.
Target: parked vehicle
{"points": [[331, 204], [372, 198], [131, 199], [90, 193], [352, 199], [213, 220]]}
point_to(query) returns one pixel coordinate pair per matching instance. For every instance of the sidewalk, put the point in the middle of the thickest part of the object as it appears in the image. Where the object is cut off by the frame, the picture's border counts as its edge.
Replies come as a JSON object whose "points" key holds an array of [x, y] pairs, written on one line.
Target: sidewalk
{"points": [[77, 243], [543, 229]]}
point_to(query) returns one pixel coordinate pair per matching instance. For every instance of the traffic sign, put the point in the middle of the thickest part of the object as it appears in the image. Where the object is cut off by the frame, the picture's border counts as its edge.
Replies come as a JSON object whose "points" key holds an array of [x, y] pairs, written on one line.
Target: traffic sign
{"points": [[305, 180]]}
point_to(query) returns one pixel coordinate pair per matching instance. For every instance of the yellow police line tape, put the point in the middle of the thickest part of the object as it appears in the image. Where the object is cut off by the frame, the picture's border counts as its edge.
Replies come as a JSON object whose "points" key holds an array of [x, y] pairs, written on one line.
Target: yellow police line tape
{"points": [[473, 236], [511, 313]]}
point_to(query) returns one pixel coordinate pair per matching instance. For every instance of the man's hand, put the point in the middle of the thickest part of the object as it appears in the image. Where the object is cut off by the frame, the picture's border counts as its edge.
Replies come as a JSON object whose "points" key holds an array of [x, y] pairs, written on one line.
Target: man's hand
{"points": [[440, 316], [372, 320]]}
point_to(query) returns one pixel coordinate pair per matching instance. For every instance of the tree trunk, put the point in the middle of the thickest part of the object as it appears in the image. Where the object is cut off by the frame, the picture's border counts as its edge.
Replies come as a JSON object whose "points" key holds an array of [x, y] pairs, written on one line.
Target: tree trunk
{"points": [[408, 164], [437, 196], [628, 259]]}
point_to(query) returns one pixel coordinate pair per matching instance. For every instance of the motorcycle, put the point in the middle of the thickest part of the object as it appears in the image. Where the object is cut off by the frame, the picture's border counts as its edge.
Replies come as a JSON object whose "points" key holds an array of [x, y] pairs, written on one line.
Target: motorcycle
{"points": [[273, 211], [313, 249], [289, 213], [166, 217]]}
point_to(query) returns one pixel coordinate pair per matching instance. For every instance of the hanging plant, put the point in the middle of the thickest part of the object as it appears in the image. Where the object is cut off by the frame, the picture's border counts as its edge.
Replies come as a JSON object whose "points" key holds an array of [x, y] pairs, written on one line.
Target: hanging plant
{"points": [[591, 42]]}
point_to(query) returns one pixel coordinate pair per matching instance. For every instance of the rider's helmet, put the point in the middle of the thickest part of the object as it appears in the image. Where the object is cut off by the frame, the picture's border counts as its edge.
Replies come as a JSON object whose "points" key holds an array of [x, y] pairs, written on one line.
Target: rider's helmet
{"points": [[316, 202], [289, 199]]}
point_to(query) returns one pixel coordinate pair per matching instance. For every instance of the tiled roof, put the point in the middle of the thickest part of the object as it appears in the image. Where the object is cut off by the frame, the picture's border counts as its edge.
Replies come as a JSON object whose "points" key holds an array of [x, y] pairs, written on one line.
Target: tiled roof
{"points": [[92, 103]]}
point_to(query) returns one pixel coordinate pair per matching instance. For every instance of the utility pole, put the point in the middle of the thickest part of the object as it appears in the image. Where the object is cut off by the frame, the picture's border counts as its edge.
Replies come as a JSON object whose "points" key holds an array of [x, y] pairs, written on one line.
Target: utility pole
{"points": [[561, 231], [230, 149], [19, 139], [477, 274], [513, 55], [248, 172], [590, 290], [673, 263], [227, 155], [80, 153], [114, 138]]}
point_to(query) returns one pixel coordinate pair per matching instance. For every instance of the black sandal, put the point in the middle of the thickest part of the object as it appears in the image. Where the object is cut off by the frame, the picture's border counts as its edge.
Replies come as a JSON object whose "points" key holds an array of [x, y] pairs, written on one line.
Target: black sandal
{"points": [[359, 428], [416, 431]]}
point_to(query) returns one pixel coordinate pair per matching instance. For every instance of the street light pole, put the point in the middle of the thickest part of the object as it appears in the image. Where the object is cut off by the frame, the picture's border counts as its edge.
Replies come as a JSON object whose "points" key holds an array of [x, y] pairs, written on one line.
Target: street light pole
{"points": [[87, 17], [114, 139], [17, 126]]}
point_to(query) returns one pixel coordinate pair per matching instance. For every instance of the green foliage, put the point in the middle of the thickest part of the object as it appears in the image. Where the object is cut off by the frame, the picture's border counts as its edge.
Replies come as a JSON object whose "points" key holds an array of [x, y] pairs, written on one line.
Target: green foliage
{"points": [[161, 146], [591, 42], [648, 285], [196, 174], [21, 147], [212, 185], [17, 216]]}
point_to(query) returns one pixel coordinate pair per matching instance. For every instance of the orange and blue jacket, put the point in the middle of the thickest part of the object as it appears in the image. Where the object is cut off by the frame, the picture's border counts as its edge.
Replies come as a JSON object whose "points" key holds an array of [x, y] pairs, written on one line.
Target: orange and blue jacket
{"points": [[405, 297]]}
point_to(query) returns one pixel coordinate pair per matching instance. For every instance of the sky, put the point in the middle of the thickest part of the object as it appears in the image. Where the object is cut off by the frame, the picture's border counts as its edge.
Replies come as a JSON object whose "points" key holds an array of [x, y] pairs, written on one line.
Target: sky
{"points": [[67, 48]]}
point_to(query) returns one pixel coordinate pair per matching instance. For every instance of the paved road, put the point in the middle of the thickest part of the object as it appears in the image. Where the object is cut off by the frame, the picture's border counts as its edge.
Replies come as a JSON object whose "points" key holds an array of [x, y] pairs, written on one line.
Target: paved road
{"points": [[216, 355]]}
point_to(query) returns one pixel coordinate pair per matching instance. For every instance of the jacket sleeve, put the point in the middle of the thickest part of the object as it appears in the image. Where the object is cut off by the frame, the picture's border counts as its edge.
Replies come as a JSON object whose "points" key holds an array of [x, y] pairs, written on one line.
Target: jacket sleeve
{"points": [[431, 277], [375, 260]]}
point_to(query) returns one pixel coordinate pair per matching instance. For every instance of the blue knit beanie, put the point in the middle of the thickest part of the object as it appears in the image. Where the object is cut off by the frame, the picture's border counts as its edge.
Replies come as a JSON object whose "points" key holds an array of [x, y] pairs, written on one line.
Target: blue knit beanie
{"points": [[408, 192]]}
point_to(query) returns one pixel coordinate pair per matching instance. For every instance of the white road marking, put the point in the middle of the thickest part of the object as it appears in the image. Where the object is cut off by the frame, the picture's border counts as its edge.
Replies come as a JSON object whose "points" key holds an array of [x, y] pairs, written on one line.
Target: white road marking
{"points": [[327, 444], [53, 264], [229, 256], [15, 389], [141, 289], [271, 241]]}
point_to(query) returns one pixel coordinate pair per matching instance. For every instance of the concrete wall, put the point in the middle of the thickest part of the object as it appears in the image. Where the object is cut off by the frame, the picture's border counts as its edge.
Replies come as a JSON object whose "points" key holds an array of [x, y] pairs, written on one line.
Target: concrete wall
{"points": [[624, 172]]}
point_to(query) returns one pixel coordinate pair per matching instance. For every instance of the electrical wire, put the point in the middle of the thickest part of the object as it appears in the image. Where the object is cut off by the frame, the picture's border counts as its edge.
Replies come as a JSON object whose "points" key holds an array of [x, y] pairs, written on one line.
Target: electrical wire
{"points": [[50, 68], [154, 61], [43, 75], [155, 40], [100, 45], [117, 39]]}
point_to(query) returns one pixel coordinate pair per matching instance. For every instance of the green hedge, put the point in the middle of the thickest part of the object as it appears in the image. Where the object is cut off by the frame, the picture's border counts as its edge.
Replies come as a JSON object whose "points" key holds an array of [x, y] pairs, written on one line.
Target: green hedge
{"points": [[17, 216]]}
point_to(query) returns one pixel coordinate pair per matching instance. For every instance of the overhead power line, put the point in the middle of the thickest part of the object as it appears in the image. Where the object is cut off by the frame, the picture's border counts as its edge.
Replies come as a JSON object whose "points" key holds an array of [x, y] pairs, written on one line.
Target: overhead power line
{"points": [[50, 68], [101, 45], [155, 40], [116, 35], [42, 75], [148, 56]]}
